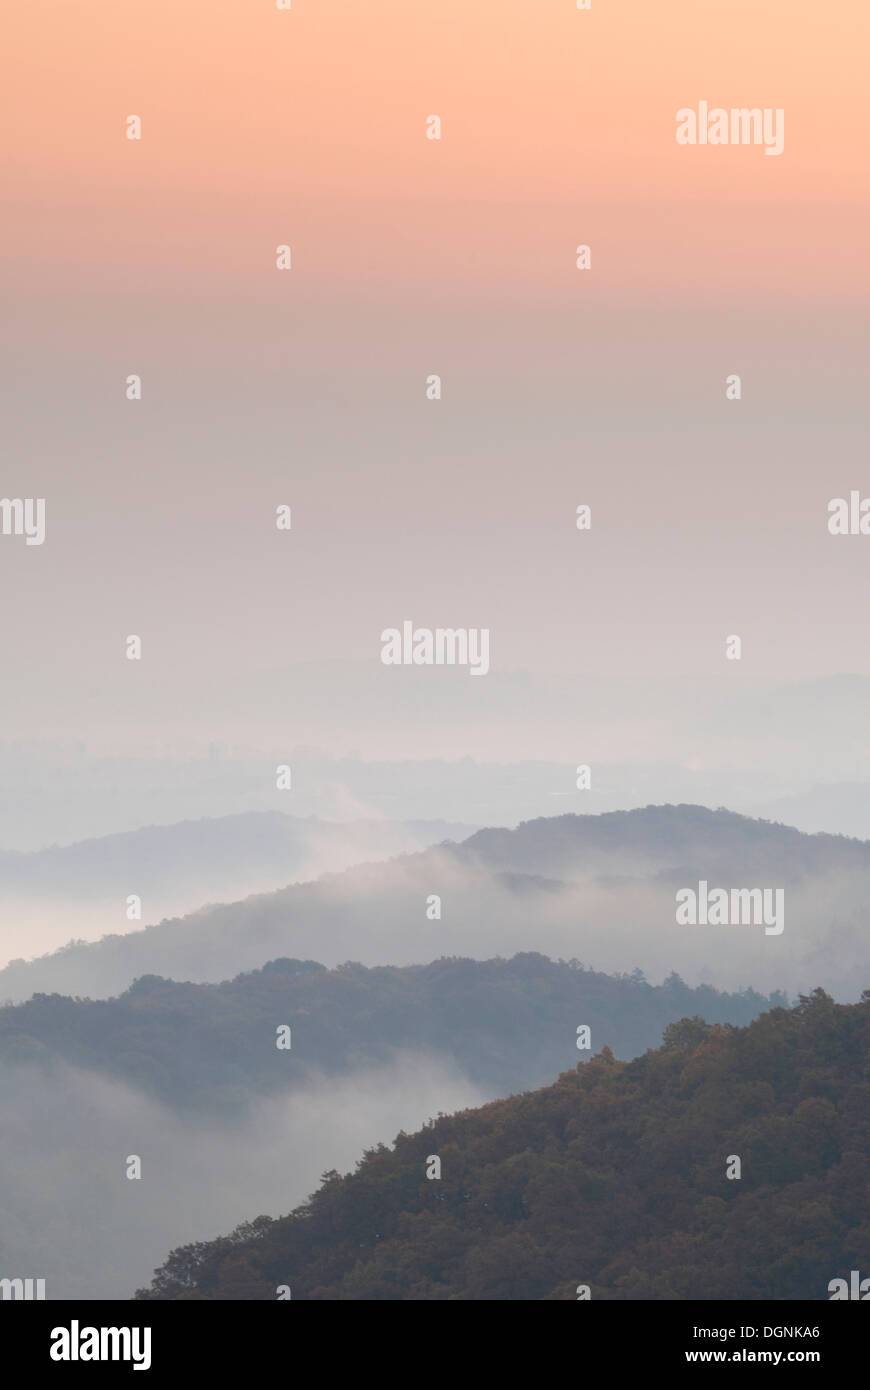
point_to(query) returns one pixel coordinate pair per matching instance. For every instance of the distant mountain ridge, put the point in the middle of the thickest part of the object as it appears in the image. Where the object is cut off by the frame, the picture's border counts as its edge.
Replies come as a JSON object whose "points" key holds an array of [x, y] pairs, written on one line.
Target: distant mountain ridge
{"points": [[153, 857], [111, 884], [666, 837], [598, 887]]}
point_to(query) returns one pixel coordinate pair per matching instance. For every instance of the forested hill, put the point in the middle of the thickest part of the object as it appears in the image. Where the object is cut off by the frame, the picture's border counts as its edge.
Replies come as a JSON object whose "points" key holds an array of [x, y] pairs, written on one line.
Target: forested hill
{"points": [[663, 839], [614, 1177], [508, 1025]]}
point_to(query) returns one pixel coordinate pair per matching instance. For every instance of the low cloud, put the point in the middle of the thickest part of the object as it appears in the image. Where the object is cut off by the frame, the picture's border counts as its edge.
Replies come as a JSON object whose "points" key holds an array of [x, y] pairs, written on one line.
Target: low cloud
{"points": [[70, 1215]]}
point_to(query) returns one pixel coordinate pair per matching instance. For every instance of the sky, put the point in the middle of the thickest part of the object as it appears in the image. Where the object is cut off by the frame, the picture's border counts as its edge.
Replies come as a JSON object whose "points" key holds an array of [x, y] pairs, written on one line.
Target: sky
{"points": [[410, 257]]}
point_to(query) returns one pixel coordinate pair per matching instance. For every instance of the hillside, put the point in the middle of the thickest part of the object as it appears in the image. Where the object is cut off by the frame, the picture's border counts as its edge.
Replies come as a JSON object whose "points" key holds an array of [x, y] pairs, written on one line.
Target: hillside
{"points": [[52, 895], [614, 1177], [598, 887], [507, 1025]]}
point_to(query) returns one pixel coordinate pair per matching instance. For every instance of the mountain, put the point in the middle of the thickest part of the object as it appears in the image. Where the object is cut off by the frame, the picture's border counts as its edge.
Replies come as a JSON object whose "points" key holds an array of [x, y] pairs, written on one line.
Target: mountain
{"points": [[506, 1025], [665, 840], [52, 894], [602, 888], [727, 1164]]}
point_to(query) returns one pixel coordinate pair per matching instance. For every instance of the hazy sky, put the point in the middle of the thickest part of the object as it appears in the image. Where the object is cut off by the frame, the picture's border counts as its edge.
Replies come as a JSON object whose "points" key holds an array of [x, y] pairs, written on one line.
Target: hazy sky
{"points": [[411, 257]]}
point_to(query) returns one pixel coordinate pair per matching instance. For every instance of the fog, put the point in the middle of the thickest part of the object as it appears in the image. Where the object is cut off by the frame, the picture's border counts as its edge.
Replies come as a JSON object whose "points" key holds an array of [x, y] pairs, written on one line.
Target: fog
{"points": [[428, 745], [377, 914], [70, 1215], [82, 891]]}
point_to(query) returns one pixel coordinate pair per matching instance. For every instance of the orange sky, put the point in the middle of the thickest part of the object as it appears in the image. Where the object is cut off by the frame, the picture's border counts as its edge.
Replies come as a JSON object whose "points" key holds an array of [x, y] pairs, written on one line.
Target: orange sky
{"points": [[262, 125]]}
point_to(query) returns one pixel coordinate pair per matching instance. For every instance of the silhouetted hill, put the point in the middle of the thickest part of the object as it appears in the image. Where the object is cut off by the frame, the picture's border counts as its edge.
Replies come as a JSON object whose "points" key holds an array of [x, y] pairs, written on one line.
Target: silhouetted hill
{"points": [[507, 1025], [614, 1178]]}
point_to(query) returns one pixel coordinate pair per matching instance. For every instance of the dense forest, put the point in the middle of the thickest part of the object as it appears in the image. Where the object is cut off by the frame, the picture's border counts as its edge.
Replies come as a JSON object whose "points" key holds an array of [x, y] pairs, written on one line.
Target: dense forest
{"points": [[509, 1025], [615, 1178]]}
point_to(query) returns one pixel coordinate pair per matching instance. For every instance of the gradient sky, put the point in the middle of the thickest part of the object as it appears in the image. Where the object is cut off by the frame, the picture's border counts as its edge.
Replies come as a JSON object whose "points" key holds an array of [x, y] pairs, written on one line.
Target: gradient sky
{"points": [[413, 257]]}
